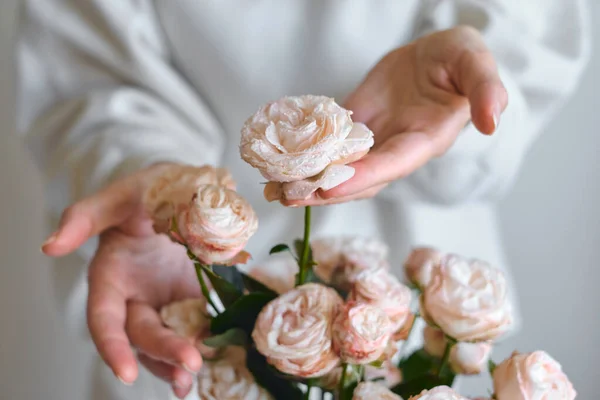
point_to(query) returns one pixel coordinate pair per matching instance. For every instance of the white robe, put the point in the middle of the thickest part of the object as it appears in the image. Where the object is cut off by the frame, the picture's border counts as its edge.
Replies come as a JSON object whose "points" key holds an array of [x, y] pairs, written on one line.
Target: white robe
{"points": [[108, 86]]}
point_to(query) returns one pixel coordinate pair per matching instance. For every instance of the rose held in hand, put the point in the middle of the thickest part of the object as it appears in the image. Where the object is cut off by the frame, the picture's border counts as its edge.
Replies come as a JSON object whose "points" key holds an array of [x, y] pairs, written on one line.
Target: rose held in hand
{"points": [[294, 331], [467, 300], [217, 225], [301, 144], [361, 333], [531, 376]]}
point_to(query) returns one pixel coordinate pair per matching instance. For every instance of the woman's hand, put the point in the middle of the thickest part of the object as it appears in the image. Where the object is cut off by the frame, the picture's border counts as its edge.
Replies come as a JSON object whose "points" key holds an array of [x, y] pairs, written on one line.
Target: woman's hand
{"points": [[416, 100], [133, 274]]}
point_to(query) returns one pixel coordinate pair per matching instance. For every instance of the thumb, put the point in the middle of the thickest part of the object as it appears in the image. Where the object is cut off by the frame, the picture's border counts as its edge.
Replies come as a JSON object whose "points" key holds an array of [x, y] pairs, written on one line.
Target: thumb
{"points": [[91, 216]]}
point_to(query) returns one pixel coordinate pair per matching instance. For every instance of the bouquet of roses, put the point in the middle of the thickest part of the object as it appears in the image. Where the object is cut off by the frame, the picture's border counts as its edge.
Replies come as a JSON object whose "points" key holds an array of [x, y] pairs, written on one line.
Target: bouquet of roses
{"points": [[332, 322]]}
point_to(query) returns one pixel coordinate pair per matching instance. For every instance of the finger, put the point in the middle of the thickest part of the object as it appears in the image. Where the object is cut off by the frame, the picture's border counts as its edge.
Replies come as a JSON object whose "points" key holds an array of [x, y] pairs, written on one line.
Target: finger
{"points": [[106, 321], [91, 216], [180, 380], [398, 157], [147, 333], [319, 198], [477, 78]]}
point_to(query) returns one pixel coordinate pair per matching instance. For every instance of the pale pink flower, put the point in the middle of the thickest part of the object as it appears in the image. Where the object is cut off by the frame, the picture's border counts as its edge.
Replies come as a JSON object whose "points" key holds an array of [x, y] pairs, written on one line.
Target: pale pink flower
{"points": [[293, 141], [531, 376], [418, 267], [373, 391], [389, 372], [467, 300], [382, 289], [228, 378], [171, 189], [439, 393], [294, 331], [217, 225], [361, 333], [340, 259], [465, 358]]}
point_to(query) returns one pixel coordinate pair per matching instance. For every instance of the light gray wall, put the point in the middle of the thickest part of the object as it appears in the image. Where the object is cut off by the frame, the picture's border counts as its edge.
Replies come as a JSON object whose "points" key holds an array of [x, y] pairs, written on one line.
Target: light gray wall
{"points": [[551, 228]]}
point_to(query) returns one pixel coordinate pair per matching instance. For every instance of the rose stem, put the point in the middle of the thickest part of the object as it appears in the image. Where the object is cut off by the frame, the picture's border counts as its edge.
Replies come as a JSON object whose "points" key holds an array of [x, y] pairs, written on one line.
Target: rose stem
{"points": [[446, 357], [308, 388], [203, 286], [342, 380], [410, 332], [305, 250]]}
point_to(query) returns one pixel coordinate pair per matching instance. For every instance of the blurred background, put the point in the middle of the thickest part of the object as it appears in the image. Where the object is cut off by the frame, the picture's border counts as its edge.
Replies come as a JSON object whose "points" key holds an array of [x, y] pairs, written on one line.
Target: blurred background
{"points": [[550, 221]]}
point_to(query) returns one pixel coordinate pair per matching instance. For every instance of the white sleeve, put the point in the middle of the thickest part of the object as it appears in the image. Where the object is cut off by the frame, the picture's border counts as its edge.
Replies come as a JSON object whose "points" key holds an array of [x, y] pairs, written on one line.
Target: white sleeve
{"points": [[99, 96], [541, 48]]}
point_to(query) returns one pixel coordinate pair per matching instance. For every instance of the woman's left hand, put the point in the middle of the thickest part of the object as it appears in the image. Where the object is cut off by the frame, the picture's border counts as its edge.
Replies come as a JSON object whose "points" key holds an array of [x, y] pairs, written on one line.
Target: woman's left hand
{"points": [[416, 100]]}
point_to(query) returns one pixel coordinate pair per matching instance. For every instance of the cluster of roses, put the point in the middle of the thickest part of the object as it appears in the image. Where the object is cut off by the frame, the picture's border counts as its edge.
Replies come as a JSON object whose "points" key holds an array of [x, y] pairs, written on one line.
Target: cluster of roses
{"points": [[341, 328]]}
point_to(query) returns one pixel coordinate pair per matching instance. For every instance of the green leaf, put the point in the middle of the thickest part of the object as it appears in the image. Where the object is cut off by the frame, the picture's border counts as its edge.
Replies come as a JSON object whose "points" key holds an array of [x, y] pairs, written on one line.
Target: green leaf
{"points": [[255, 286], [377, 363], [232, 337], [231, 274], [267, 377], [491, 367], [419, 372], [227, 292], [418, 364], [241, 314], [279, 248]]}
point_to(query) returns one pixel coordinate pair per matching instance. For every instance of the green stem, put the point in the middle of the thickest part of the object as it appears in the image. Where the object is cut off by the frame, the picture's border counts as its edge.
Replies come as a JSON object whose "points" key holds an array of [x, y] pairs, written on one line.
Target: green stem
{"points": [[306, 249], [308, 388], [203, 286], [342, 382], [445, 358]]}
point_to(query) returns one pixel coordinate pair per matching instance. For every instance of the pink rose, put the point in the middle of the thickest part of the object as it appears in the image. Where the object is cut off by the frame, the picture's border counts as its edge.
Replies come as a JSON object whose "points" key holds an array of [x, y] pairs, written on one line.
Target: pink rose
{"points": [[294, 331], [172, 188], [340, 259], [300, 144], [217, 225], [228, 378], [382, 289], [531, 376], [465, 358], [373, 391], [467, 300], [419, 265], [439, 393], [361, 333]]}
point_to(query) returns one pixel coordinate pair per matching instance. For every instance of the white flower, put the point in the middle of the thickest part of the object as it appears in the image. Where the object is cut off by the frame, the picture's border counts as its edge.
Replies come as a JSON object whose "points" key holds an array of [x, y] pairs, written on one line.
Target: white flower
{"points": [[373, 391], [217, 225], [532, 376], [382, 289], [172, 188], [361, 333], [439, 393], [294, 331], [293, 141], [228, 379], [467, 300], [419, 265], [340, 259]]}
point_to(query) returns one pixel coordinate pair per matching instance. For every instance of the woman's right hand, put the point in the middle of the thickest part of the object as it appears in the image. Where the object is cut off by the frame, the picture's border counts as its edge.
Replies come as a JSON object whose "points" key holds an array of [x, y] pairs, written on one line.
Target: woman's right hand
{"points": [[132, 275]]}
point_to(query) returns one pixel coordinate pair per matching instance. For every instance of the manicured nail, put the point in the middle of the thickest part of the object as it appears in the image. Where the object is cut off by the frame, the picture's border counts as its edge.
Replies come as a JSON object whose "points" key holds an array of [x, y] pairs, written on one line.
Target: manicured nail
{"points": [[188, 369], [124, 382], [496, 117], [50, 239]]}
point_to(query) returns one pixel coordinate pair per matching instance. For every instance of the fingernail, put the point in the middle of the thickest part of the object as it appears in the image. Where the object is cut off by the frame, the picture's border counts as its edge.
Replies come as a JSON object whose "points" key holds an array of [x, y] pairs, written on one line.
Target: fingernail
{"points": [[293, 205], [496, 117], [50, 239], [124, 382], [188, 369]]}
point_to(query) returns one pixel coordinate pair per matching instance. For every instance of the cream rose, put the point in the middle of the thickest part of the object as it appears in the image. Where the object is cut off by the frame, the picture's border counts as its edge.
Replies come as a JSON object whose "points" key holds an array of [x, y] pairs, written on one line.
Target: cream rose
{"points": [[294, 331], [439, 393], [228, 378], [361, 333], [340, 259], [172, 188], [465, 358], [467, 300], [382, 289], [190, 318], [300, 144], [373, 391], [217, 225], [419, 265], [531, 376]]}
